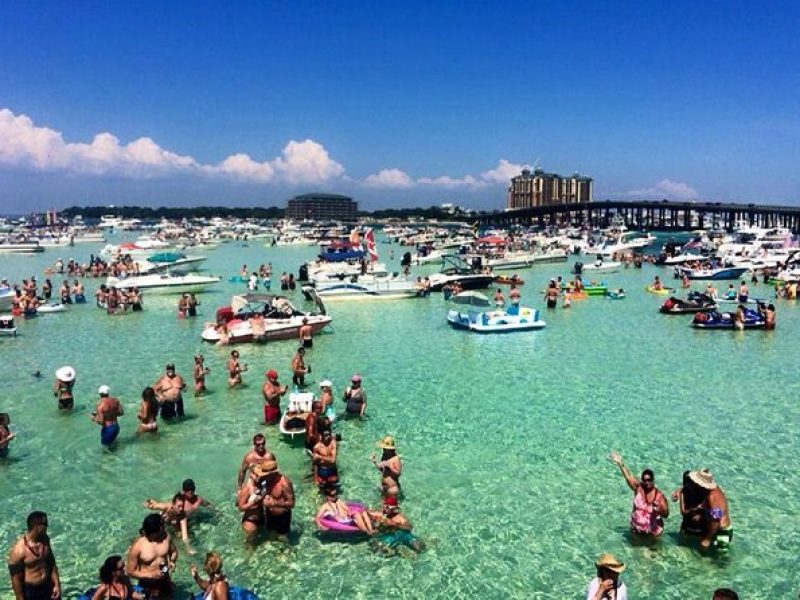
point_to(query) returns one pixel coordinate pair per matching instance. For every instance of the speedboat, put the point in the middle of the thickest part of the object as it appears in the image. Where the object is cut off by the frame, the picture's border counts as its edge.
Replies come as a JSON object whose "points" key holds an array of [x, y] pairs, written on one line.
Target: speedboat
{"points": [[456, 270], [282, 321], [7, 325], [712, 274], [366, 288], [695, 302], [10, 247], [517, 318], [293, 419], [725, 320], [165, 283], [164, 261], [7, 296], [598, 266]]}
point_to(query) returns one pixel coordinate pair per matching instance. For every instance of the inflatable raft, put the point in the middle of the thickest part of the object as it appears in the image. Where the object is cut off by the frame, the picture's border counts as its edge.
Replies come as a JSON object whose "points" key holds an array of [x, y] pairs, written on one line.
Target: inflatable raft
{"points": [[328, 523]]}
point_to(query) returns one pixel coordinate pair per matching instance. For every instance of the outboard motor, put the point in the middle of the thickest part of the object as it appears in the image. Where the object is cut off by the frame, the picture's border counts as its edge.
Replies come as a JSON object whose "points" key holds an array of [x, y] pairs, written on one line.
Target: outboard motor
{"points": [[578, 268], [302, 273]]}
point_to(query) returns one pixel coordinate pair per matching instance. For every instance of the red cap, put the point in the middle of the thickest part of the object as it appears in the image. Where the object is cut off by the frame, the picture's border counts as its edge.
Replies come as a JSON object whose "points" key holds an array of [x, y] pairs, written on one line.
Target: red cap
{"points": [[272, 374], [390, 501]]}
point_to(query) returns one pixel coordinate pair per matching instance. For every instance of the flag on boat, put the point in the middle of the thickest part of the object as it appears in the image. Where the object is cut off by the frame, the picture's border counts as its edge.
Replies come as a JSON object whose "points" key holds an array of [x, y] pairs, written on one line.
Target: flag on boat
{"points": [[695, 243], [370, 238]]}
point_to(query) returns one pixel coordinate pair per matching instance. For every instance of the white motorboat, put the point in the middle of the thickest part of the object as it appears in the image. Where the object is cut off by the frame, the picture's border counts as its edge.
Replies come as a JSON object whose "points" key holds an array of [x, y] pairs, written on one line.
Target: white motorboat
{"points": [[598, 266], [281, 321], [320, 272], [165, 283], [366, 288], [456, 270], [167, 261], [11, 247]]}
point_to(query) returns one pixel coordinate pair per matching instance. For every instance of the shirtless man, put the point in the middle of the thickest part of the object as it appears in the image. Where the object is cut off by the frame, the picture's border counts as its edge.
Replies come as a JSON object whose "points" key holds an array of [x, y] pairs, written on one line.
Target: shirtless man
{"points": [[306, 333], [744, 292], [199, 371], [273, 392], [168, 392], [395, 528], [259, 327], [31, 564], [152, 557], [499, 299], [191, 501], [299, 368], [312, 430], [324, 459], [257, 455], [278, 501], [390, 466], [235, 369], [105, 414], [719, 530], [514, 296]]}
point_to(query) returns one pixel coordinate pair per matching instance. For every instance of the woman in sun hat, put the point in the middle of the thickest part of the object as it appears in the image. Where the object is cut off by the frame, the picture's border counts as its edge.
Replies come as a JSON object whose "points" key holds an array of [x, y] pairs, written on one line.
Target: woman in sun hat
{"points": [[719, 531], [390, 467], [607, 586], [355, 397], [62, 388]]}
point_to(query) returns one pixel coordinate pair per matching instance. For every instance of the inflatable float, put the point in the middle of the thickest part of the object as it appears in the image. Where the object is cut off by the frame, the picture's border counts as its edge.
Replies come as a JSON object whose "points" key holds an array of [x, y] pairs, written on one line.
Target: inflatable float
{"points": [[662, 292], [504, 279], [51, 308], [328, 523]]}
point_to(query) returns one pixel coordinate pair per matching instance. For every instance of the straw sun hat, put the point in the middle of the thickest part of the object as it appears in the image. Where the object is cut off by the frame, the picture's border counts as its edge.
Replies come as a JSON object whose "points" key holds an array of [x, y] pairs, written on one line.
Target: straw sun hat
{"points": [[265, 468], [704, 479], [387, 443], [610, 562]]}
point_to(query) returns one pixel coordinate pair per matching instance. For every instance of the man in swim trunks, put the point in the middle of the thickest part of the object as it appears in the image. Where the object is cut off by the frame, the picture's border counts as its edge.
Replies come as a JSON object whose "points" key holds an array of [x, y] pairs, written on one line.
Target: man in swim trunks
{"points": [[719, 530], [390, 466], [106, 413], [235, 369], [395, 527], [744, 292], [250, 498], [514, 296], [32, 565], [257, 455], [169, 390], [152, 557], [324, 459], [273, 392], [299, 368], [278, 500], [306, 333], [312, 431]]}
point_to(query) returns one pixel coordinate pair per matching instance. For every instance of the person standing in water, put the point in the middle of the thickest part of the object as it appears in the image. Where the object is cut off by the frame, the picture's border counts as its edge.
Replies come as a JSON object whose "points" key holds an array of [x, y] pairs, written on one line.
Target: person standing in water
{"points": [[235, 370], [390, 466], [32, 565], [62, 388], [106, 413], [169, 392], [5, 434], [299, 368], [306, 333], [148, 412], [355, 397], [273, 392], [650, 507], [152, 557], [199, 371]]}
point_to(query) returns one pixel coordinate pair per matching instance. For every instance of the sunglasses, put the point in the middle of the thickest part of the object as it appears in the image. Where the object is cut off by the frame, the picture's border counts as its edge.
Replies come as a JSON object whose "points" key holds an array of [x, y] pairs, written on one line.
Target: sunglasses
{"points": [[647, 480]]}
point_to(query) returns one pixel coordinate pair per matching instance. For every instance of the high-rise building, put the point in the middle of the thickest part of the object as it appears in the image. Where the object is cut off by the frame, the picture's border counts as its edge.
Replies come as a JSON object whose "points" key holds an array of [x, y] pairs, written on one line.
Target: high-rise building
{"points": [[319, 206], [538, 188]]}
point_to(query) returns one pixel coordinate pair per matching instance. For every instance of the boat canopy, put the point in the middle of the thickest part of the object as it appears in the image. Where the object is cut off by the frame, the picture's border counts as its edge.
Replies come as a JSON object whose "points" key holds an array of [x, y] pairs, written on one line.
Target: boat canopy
{"points": [[166, 257], [471, 298]]}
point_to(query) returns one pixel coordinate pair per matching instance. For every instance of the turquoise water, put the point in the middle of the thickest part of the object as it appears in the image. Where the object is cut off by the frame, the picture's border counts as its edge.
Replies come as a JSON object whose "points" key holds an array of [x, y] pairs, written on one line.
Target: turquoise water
{"points": [[504, 440]]}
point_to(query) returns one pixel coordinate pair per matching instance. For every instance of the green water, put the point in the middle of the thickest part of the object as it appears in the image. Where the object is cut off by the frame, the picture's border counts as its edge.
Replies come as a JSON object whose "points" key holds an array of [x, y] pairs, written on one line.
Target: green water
{"points": [[504, 440]]}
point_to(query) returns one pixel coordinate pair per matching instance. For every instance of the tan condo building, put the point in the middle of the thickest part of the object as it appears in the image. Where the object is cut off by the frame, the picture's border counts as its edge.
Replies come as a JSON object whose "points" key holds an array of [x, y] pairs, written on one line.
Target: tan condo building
{"points": [[538, 188]]}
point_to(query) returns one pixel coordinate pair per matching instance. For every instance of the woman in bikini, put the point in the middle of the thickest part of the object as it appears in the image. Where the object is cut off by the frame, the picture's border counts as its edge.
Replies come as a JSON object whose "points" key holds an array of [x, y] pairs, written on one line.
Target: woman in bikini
{"points": [[148, 412], [114, 584]]}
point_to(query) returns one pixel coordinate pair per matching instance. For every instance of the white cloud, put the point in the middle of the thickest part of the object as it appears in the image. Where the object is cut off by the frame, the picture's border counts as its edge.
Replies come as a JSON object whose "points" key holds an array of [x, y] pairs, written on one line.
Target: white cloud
{"points": [[448, 182], [22, 143], [389, 178], [503, 172], [666, 188]]}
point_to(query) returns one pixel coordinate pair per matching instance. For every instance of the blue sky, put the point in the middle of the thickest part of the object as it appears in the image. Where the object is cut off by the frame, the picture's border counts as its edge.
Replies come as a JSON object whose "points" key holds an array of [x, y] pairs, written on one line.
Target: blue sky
{"points": [[396, 104]]}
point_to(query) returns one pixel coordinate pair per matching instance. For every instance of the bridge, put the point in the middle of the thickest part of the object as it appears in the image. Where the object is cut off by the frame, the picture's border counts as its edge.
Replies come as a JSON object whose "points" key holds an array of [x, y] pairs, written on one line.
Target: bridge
{"points": [[658, 215]]}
